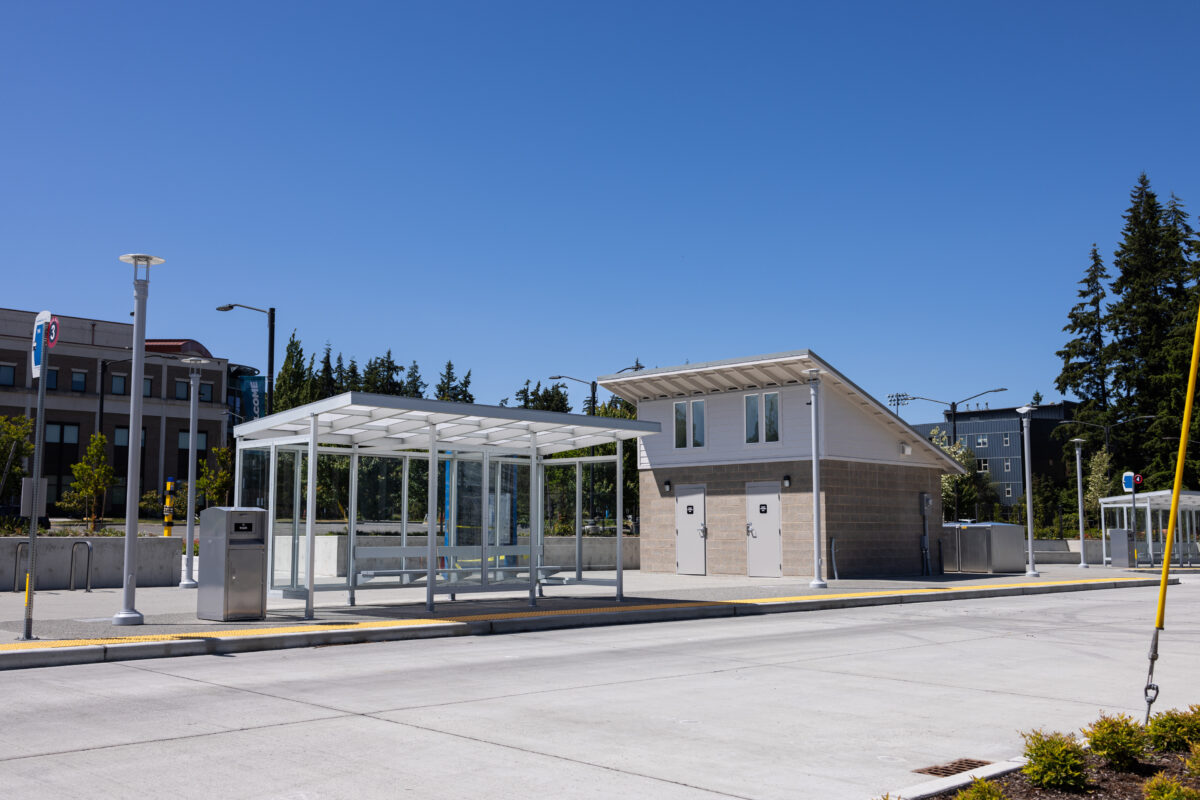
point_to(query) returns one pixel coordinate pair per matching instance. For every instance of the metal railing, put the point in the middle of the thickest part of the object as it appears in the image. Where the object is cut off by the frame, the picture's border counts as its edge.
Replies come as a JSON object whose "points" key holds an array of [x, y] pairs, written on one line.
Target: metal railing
{"points": [[87, 567]]}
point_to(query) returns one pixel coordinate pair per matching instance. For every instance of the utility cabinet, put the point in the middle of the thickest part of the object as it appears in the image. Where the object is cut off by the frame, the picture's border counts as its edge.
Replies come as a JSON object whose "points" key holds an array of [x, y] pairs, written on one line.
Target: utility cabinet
{"points": [[232, 583], [989, 547]]}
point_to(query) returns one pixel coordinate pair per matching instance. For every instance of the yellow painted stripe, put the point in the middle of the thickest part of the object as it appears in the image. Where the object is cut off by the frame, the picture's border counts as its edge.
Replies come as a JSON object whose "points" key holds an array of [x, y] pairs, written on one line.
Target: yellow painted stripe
{"points": [[528, 614]]}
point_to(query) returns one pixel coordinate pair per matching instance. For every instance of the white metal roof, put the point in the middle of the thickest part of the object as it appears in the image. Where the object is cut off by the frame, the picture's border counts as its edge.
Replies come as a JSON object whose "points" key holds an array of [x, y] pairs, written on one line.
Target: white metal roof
{"points": [[758, 372], [1159, 501], [384, 423]]}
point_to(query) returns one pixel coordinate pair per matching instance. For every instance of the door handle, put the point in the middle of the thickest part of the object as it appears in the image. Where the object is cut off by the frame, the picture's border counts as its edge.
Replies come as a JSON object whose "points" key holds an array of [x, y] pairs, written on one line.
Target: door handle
{"points": [[703, 531], [750, 530]]}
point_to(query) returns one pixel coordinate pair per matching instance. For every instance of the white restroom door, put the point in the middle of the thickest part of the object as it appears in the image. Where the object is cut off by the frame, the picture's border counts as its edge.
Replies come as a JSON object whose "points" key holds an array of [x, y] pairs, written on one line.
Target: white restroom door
{"points": [[691, 532], [764, 541]]}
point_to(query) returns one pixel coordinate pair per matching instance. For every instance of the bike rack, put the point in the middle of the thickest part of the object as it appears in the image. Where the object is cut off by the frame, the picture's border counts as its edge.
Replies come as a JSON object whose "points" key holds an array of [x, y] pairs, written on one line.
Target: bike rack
{"points": [[87, 565], [17, 565]]}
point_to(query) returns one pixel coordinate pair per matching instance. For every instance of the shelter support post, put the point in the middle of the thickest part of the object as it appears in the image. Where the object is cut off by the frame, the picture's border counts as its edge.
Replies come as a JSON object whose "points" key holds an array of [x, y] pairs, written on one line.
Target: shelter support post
{"points": [[310, 532], [238, 454], [485, 517], [432, 506], [620, 524], [578, 522], [535, 515], [352, 524], [272, 476]]}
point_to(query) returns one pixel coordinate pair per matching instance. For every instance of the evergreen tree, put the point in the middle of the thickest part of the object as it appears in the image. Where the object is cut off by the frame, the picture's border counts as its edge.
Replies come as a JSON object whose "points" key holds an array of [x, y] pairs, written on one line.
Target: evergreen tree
{"points": [[449, 387], [324, 381], [339, 375], [413, 385], [551, 398], [291, 384], [1151, 330], [381, 375], [353, 378], [1085, 356]]}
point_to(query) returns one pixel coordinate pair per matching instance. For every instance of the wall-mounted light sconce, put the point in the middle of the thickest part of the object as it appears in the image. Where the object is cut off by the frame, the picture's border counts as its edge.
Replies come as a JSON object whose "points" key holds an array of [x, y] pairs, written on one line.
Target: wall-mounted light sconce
{"points": [[905, 449], [667, 487], [787, 481]]}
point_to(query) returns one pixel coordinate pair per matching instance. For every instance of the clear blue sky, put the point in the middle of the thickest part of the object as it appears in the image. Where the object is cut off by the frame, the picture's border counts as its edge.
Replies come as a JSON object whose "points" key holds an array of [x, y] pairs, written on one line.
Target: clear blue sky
{"points": [[528, 188]]}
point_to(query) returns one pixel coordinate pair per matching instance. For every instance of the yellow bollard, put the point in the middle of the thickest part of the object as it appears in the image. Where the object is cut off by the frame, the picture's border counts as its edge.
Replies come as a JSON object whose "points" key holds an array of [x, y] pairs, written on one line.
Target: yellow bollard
{"points": [[168, 508]]}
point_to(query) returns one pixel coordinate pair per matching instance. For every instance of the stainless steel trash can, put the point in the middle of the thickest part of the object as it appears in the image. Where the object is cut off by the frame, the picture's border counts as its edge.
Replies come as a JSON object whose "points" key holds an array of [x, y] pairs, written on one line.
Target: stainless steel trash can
{"points": [[991, 547], [1122, 547], [232, 584]]}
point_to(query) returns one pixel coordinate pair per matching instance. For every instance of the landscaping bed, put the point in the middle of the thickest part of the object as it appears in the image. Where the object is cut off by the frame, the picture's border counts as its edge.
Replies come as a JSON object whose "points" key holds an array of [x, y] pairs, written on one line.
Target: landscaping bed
{"points": [[1116, 757]]}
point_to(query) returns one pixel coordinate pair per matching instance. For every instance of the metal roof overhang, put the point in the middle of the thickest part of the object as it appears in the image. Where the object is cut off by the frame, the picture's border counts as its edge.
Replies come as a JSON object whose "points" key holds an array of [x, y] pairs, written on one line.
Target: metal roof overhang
{"points": [[386, 424], [1159, 501], [758, 372]]}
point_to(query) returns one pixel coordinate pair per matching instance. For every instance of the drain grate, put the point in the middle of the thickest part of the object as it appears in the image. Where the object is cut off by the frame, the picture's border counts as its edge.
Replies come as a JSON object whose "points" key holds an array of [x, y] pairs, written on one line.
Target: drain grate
{"points": [[954, 767]]}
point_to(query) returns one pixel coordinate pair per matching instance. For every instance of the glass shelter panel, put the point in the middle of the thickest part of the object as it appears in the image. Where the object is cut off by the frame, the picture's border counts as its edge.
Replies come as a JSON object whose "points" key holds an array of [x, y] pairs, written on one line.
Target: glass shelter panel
{"points": [[285, 527]]}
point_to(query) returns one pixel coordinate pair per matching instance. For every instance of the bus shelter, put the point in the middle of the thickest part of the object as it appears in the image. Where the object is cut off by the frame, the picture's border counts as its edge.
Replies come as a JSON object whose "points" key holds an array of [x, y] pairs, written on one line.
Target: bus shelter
{"points": [[408, 492], [1149, 513]]}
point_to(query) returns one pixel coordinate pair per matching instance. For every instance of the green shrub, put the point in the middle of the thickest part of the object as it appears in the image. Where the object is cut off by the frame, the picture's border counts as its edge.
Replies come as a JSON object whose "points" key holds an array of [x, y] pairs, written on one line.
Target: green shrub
{"points": [[1055, 761], [1191, 764], [1118, 740], [1161, 787], [981, 789], [1174, 730]]}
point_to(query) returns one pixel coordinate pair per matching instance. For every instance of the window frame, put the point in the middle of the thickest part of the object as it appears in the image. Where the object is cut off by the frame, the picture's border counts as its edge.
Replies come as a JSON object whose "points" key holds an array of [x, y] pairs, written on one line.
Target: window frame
{"points": [[185, 384], [758, 400], [112, 384], [51, 374], [688, 421], [81, 374], [12, 367], [147, 386], [200, 392]]}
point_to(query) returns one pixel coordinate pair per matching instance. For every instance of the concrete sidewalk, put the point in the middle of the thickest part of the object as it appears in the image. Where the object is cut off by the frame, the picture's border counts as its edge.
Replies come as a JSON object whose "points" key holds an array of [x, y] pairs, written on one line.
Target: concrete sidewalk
{"points": [[76, 627]]}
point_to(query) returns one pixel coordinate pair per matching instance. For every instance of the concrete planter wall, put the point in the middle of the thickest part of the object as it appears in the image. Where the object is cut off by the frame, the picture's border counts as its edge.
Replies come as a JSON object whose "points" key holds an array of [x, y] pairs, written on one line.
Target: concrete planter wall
{"points": [[1066, 551], [599, 552], [158, 561]]}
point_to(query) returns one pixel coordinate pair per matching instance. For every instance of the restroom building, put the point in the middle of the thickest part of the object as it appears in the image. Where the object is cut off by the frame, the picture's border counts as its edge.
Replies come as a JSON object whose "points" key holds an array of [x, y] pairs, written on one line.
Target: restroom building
{"points": [[727, 488]]}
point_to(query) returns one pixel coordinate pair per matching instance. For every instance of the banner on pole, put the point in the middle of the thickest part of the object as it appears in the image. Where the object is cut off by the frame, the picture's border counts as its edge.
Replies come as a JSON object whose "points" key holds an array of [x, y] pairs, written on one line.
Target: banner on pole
{"points": [[254, 396]]}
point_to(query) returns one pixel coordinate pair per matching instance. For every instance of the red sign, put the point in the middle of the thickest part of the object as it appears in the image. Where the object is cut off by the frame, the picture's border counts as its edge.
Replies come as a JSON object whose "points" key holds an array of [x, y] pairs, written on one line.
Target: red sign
{"points": [[52, 332], [1137, 480]]}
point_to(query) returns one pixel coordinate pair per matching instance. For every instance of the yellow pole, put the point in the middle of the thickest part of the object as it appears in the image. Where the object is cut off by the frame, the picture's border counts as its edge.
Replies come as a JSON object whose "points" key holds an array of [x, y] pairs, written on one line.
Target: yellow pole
{"points": [[168, 510], [27, 589], [1183, 442]]}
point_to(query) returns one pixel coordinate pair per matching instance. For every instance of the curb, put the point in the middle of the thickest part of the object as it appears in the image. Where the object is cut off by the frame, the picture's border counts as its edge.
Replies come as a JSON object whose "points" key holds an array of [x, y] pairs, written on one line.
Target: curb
{"points": [[247, 640], [939, 785]]}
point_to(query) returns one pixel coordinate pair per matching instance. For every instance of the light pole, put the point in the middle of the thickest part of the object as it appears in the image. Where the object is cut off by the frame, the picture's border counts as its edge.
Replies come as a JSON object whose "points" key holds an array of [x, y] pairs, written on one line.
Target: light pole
{"points": [[1079, 485], [129, 615], [1106, 428], [194, 365], [1025, 412], [903, 398], [814, 385], [270, 312]]}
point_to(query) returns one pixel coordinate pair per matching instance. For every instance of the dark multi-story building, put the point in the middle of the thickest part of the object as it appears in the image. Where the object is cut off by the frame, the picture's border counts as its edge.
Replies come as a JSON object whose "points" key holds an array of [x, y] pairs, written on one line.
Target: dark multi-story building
{"points": [[994, 434], [87, 390]]}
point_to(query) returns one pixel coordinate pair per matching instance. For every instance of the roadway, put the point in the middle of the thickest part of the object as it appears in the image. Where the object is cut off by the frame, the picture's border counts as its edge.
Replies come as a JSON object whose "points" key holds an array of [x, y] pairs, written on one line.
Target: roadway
{"points": [[840, 703]]}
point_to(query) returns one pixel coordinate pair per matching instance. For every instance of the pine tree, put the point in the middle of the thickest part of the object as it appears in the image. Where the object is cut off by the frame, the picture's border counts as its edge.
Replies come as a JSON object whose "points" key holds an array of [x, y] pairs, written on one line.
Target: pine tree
{"points": [[1085, 357], [381, 375], [353, 378], [551, 398], [413, 385], [291, 384], [325, 383], [339, 375], [449, 387]]}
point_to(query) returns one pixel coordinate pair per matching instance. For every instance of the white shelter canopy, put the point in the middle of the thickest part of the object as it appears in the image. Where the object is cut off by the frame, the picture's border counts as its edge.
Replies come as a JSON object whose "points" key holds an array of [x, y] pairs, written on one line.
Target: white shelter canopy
{"points": [[357, 424], [1156, 501], [381, 424]]}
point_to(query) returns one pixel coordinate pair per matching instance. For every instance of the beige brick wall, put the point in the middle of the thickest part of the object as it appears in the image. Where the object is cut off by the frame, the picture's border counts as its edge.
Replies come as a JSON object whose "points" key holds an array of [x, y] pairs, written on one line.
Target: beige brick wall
{"points": [[870, 509]]}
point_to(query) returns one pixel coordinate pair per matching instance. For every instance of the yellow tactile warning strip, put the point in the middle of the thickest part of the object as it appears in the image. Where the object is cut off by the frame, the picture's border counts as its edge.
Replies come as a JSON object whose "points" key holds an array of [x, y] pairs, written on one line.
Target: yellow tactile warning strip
{"points": [[532, 613]]}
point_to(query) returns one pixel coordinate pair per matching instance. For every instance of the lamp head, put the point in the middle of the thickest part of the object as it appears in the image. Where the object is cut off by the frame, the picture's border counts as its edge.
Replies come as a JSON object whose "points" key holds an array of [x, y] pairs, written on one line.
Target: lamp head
{"points": [[556, 377], [1025, 409], [226, 307], [142, 259]]}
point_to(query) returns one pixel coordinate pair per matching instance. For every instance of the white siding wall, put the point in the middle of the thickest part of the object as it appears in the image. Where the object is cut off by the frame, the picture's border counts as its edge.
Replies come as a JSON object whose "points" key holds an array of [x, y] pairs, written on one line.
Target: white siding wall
{"points": [[850, 431]]}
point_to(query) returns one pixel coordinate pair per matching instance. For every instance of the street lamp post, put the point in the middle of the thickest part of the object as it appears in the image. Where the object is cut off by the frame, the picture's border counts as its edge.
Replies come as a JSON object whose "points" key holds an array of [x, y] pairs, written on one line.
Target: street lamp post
{"points": [[1106, 428], [194, 364], [814, 385], [129, 615], [902, 398], [591, 450], [1025, 412], [270, 312], [1079, 485]]}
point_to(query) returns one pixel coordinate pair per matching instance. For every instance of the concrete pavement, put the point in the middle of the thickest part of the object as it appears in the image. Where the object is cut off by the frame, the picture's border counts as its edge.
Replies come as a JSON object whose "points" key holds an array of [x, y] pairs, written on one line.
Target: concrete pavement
{"points": [[75, 627], [839, 704]]}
